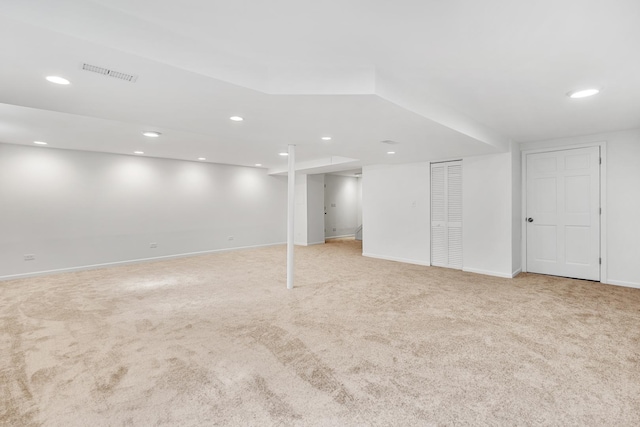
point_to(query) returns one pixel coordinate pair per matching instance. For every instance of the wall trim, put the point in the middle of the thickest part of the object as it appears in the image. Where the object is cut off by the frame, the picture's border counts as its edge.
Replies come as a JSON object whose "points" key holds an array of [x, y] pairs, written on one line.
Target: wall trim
{"points": [[515, 273], [488, 273], [397, 259], [127, 262], [322, 242], [544, 147], [339, 237], [624, 283]]}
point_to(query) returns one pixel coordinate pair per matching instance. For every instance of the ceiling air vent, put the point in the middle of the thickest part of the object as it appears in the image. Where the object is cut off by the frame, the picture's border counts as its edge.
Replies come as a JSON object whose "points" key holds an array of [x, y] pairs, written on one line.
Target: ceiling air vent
{"points": [[110, 73], [388, 141]]}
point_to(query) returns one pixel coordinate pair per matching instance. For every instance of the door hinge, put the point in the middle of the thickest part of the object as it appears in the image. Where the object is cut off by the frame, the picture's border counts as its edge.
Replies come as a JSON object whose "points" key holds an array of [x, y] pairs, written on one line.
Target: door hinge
{"points": [[600, 211], [600, 160], [600, 261]]}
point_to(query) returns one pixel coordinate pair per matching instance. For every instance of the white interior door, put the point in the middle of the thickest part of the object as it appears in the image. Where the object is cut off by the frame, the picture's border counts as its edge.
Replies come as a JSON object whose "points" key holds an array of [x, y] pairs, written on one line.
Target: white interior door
{"points": [[563, 213], [446, 214]]}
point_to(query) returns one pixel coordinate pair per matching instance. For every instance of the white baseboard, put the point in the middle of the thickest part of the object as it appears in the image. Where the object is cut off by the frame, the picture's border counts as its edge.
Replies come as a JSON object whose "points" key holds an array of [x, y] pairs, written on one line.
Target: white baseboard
{"points": [[488, 273], [515, 273], [623, 283], [309, 244], [405, 260], [133, 261], [339, 237]]}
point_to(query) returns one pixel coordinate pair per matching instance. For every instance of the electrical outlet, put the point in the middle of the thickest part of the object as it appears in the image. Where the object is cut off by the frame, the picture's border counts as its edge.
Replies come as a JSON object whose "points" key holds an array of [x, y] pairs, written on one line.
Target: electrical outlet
{"points": [[334, 229], [153, 245], [29, 257], [230, 238], [333, 205]]}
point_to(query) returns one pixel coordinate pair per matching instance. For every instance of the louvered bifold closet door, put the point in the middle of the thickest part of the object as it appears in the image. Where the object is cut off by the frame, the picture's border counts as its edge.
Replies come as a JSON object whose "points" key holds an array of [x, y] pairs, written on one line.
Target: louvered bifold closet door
{"points": [[446, 214], [454, 215], [439, 254]]}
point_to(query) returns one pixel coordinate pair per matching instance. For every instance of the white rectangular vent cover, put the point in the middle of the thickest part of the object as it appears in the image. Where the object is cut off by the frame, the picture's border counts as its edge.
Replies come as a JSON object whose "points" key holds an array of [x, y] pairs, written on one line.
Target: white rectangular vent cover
{"points": [[110, 73]]}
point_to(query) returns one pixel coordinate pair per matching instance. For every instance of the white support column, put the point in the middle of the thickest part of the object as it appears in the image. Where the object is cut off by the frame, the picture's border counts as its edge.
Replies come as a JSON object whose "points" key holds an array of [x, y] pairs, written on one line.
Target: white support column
{"points": [[290, 214]]}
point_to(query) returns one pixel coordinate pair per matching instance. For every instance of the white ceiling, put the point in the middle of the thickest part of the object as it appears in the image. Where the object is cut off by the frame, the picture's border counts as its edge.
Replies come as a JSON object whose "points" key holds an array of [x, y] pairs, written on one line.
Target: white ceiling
{"points": [[443, 78]]}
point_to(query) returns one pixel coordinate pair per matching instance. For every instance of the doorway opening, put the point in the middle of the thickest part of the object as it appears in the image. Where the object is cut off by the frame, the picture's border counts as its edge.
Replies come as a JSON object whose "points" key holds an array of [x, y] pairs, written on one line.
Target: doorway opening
{"points": [[343, 205]]}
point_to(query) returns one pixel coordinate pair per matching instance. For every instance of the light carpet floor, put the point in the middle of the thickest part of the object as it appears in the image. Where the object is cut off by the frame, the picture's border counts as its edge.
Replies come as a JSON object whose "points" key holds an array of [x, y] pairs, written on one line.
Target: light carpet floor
{"points": [[219, 340]]}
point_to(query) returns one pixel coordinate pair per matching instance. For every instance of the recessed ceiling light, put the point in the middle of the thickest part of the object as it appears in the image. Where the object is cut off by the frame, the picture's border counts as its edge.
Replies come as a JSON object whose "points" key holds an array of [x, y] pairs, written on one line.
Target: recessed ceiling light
{"points": [[583, 93], [258, 164], [138, 152], [284, 154], [391, 152], [236, 118], [326, 138], [202, 158], [151, 134], [40, 142], [58, 80]]}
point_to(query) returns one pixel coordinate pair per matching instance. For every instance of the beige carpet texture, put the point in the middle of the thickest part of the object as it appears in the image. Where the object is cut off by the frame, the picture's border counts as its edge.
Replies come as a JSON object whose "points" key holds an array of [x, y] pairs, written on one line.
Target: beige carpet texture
{"points": [[218, 340]]}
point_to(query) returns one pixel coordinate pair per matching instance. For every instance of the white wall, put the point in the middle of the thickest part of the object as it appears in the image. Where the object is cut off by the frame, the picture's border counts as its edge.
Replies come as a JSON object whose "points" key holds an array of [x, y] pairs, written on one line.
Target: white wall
{"points": [[309, 209], [73, 209], [622, 209], [359, 201], [487, 217], [315, 209], [300, 210], [341, 201], [516, 214], [395, 212]]}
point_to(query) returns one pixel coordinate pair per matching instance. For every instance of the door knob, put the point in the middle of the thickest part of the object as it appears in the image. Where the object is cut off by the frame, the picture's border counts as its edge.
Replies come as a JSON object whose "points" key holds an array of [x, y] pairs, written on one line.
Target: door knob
{"points": [[530, 219]]}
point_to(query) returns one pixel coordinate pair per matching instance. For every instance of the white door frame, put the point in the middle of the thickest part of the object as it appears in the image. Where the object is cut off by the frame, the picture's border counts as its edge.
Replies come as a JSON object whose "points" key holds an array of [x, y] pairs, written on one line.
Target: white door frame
{"points": [[603, 198]]}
